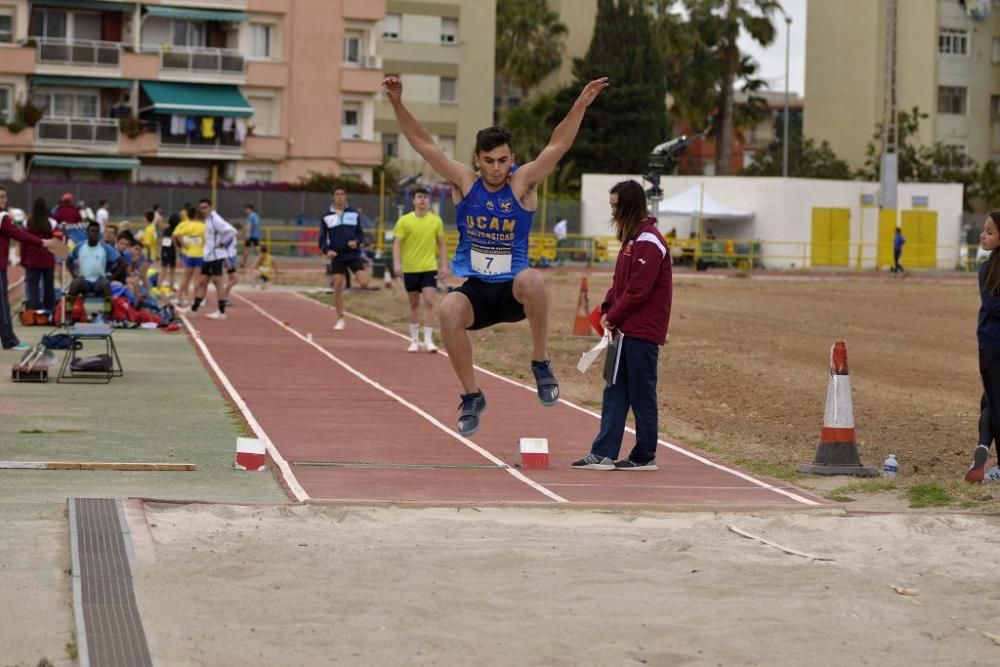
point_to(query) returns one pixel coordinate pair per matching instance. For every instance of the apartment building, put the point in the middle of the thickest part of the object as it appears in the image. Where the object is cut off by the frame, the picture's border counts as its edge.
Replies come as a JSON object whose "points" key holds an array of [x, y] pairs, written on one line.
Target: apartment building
{"points": [[167, 90], [947, 64], [444, 54]]}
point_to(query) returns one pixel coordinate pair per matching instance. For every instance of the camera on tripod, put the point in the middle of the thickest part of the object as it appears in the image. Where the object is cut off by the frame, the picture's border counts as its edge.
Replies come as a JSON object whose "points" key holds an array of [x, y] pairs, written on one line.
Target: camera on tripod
{"points": [[662, 157]]}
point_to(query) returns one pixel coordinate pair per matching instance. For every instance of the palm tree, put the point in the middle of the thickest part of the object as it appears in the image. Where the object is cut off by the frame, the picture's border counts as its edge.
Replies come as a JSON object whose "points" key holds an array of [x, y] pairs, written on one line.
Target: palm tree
{"points": [[529, 44], [732, 16]]}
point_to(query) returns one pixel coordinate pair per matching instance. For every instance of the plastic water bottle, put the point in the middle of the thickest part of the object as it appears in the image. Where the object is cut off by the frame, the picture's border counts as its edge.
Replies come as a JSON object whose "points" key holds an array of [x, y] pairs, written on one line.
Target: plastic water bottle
{"points": [[890, 467]]}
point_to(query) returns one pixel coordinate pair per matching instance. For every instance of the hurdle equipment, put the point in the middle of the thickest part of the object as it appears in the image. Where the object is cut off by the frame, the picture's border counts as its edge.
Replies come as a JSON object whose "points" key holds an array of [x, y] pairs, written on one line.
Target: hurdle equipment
{"points": [[581, 325], [533, 454], [250, 454], [837, 452]]}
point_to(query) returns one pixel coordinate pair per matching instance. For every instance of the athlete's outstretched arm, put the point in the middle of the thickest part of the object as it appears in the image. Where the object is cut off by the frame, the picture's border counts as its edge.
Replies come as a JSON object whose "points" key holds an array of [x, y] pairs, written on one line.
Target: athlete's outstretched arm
{"points": [[457, 173], [533, 173]]}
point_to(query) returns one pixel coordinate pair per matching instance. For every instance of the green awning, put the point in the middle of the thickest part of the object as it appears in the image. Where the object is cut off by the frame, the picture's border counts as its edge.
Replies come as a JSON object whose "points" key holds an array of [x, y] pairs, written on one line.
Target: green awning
{"points": [[88, 4], [111, 163], [81, 82], [195, 99], [196, 14]]}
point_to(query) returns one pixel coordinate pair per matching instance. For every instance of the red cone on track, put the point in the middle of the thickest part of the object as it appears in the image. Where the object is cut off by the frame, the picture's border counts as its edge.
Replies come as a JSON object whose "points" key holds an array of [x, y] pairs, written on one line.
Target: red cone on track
{"points": [[837, 453], [581, 325]]}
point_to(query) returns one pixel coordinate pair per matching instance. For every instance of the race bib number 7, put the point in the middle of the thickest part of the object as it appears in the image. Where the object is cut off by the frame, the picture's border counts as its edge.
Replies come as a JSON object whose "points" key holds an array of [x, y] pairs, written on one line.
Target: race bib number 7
{"points": [[490, 264]]}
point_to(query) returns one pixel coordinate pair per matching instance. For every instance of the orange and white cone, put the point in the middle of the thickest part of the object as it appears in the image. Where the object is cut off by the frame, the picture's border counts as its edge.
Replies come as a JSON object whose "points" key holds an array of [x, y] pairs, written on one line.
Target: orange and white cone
{"points": [[837, 453], [581, 325]]}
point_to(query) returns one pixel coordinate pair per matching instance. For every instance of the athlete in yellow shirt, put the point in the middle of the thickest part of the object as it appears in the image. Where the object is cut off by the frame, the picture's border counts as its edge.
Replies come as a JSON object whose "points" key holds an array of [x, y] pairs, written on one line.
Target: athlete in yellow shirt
{"points": [[189, 239], [420, 254]]}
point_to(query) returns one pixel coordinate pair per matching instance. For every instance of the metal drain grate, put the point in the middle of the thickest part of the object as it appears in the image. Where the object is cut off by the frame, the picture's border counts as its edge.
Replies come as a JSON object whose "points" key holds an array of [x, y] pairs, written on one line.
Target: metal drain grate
{"points": [[109, 630]]}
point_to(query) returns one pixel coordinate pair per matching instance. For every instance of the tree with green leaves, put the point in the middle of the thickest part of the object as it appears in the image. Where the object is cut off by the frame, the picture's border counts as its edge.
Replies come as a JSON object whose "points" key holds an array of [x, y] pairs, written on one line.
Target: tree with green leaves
{"points": [[529, 45], [717, 24], [937, 163], [623, 125], [805, 158]]}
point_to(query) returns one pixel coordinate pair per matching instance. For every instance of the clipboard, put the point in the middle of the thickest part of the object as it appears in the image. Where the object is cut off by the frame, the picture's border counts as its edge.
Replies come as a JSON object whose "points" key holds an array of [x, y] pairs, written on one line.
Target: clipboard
{"points": [[613, 359]]}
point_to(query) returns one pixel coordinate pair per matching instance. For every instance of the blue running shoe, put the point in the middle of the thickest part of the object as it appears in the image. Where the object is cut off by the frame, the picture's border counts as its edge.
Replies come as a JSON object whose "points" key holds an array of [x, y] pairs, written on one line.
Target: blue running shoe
{"points": [[548, 386], [469, 409]]}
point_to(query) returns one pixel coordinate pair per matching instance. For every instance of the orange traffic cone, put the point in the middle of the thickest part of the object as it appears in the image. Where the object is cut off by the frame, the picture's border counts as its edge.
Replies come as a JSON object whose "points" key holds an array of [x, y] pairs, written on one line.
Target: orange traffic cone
{"points": [[581, 325], [837, 453]]}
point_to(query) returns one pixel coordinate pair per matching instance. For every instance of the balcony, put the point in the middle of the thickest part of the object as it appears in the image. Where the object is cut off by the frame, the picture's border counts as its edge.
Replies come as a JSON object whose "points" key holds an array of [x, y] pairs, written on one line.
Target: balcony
{"points": [[81, 52], [92, 132], [190, 144], [198, 60]]}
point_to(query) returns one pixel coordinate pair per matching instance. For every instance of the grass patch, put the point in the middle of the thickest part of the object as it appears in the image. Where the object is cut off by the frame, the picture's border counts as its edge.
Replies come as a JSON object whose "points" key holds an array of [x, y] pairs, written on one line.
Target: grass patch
{"points": [[928, 494], [71, 648], [846, 493], [241, 426], [31, 431]]}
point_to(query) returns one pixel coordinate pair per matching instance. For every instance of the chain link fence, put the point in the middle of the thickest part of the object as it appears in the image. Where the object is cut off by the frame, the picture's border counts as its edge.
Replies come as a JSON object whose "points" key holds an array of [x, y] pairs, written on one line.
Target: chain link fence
{"points": [[276, 207]]}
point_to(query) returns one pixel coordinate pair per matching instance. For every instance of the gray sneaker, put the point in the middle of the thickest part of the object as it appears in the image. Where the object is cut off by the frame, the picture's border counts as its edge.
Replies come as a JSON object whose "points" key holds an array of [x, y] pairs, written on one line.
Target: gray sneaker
{"points": [[594, 462], [629, 464]]}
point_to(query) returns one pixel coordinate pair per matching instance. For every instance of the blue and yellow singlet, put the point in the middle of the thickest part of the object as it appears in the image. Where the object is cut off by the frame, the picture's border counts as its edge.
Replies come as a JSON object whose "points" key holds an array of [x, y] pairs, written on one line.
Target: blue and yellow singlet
{"points": [[492, 235]]}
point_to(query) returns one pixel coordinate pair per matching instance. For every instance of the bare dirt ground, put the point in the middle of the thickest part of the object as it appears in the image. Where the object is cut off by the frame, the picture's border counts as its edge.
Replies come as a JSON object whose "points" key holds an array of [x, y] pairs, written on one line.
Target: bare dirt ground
{"points": [[745, 372]]}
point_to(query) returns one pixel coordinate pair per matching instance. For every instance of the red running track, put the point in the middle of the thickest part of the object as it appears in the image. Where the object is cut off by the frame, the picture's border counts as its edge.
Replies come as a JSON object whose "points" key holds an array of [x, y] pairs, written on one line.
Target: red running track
{"points": [[351, 416]]}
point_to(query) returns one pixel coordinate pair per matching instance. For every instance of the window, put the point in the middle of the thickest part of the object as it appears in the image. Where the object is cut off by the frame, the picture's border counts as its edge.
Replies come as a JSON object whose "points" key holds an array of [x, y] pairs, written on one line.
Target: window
{"points": [[995, 108], [449, 31], [447, 90], [352, 47], [261, 40], [391, 26], [66, 105], [265, 114], [6, 95], [6, 25], [390, 145], [258, 176], [350, 126], [955, 42], [6, 171], [447, 145], [951, 99], [49, 23], [188, 33], [996, 50]]}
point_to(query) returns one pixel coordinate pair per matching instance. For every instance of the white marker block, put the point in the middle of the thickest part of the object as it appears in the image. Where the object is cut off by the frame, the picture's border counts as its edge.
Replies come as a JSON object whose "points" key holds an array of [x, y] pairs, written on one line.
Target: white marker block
{"points": [[533, 454], [250, 454]]}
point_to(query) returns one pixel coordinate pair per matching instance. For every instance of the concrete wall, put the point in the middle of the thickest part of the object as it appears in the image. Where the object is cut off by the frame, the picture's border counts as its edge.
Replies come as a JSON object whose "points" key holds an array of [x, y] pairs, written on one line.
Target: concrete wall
{"points": [[783, 211]]}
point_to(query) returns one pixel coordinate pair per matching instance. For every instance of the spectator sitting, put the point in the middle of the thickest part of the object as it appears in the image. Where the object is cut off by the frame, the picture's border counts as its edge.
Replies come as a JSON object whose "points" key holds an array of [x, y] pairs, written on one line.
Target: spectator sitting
{"points": [[90, 263], [70, 220], [110, 234]]}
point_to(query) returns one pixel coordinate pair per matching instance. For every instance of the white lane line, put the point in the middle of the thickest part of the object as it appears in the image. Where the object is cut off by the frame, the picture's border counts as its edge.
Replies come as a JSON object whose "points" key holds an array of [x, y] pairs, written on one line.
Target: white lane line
{"points": [[286, 472], [391, 394], [669, 445]]}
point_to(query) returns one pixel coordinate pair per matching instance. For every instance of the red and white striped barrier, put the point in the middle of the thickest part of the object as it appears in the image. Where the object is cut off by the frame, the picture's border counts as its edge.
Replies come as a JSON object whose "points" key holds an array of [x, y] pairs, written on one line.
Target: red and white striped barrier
{"points": [[250, 454], [533, 454]]}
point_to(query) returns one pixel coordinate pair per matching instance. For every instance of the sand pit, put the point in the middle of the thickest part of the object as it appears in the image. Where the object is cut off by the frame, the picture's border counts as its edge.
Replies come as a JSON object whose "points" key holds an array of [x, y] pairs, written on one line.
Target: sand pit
{"points": [[487, 586]]}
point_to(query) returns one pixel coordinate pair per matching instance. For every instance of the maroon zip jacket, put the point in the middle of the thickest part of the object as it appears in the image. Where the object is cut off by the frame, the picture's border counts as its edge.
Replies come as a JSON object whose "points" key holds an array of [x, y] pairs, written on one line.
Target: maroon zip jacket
{"points": [[8, 231], [638, 303], [35, 257]]}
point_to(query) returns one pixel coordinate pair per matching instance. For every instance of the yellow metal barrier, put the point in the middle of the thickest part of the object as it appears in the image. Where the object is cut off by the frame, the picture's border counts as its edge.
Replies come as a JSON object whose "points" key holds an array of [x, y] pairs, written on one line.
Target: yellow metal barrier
{"points": [[546, 249]]}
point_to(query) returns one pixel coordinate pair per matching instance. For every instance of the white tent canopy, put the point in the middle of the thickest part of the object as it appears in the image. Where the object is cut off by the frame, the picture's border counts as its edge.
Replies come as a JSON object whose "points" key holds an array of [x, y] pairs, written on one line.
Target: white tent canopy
{"points": [[692, 202]]}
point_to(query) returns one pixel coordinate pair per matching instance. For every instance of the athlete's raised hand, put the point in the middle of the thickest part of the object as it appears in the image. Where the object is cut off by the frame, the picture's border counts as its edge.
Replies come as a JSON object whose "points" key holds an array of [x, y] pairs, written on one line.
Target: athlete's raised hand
{"points": [[592, 90], [393, 88]]}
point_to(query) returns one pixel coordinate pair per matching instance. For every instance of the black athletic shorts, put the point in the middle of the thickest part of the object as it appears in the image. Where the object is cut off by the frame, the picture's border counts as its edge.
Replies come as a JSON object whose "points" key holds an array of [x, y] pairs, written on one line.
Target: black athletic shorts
{"points": [[168, 257], [340, 267], [414, 282], [213, 268], [492, 302], [251, 242]]}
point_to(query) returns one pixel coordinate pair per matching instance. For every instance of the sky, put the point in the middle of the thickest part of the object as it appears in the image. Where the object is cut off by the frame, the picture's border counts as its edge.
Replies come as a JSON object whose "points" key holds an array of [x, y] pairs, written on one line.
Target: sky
{"points": [[772, 59]]}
